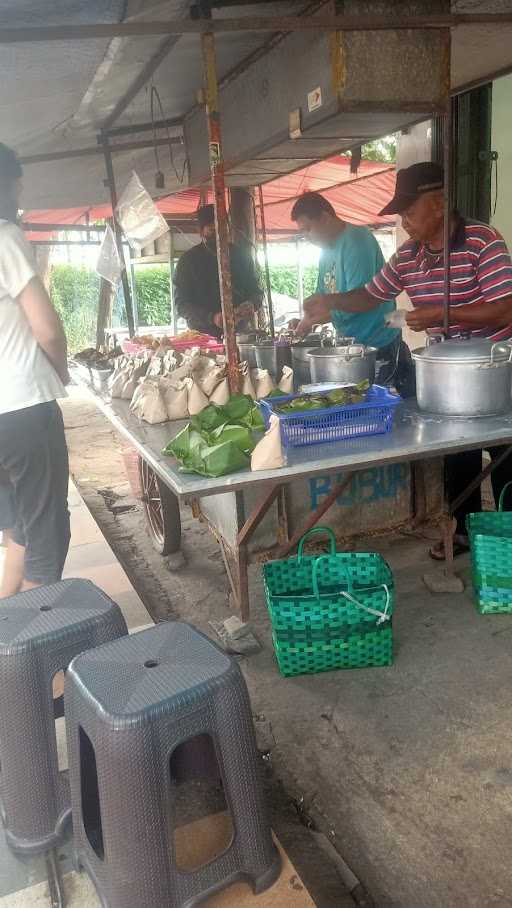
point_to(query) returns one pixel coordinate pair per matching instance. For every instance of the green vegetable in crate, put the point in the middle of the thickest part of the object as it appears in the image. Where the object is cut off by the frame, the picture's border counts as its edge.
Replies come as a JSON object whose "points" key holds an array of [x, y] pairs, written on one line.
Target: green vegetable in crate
{"points": [[302, 405], [354, 394], [275, 393]]}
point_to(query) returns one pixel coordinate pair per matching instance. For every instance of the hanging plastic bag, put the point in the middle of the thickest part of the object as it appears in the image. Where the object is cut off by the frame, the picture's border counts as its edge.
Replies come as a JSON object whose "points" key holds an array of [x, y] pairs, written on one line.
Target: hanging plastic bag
{"points": [[221, 394], [175, 394], [109, 265], [197, 399], [264, 383], [268, 453], [138, 215], [286, 382]]}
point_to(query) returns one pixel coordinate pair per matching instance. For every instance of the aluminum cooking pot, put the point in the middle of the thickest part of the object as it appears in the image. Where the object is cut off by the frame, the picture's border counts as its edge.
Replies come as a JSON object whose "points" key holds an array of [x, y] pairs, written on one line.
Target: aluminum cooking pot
{"points": [[248, 354], [273, 357], [301, 363], [350, 364], [464, 377]]}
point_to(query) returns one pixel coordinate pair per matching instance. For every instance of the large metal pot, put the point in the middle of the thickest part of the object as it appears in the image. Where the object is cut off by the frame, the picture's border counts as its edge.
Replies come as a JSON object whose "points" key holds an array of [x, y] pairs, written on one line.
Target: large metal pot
{"points": [[273, 357], [350, 365], [301, 362], [248, 354], [464, 377]]}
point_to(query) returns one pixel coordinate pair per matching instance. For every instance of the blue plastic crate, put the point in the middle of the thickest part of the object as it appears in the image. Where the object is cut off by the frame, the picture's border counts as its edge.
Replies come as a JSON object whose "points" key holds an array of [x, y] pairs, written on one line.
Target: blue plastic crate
{"points": [[372, 417]]}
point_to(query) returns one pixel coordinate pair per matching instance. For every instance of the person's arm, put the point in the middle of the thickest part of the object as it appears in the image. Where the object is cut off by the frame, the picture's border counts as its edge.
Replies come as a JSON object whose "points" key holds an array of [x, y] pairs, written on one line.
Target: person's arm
{"points": [[18, 276], [385, 285], [45, 325], [494, 274]]}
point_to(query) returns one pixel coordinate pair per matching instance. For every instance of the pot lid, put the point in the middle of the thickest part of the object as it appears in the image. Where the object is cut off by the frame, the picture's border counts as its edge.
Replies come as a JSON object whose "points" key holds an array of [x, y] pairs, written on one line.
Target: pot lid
{"points": [[462, 350]]}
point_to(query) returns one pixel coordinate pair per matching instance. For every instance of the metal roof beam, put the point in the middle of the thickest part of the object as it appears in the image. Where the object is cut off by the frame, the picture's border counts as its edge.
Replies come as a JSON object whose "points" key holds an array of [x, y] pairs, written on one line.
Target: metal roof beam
{"points": [[97, 150], [245, 24], [141, 80], [132, 129]]}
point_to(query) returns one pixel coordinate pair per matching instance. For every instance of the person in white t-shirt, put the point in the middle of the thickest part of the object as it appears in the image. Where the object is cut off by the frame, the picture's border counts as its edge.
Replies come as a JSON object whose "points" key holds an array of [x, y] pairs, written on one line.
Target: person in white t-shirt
{"points": [[34, 467]]}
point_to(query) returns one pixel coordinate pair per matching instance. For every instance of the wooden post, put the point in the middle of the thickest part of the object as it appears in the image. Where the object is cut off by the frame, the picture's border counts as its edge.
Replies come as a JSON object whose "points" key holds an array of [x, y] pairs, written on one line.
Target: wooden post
{"points": [[243, 224], [118, 234], [221, 216], [104, 312], [267, 269]]}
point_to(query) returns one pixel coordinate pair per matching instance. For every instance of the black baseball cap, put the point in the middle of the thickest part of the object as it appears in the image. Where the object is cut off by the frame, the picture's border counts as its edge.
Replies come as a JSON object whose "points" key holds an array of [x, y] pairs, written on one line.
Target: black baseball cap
{"points": [[413, 181], [206, 216]]}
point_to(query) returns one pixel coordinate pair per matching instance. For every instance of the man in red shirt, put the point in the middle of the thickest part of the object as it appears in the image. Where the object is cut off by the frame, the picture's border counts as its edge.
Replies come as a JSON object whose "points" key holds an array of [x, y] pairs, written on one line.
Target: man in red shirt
{"points": [[480, 296]]}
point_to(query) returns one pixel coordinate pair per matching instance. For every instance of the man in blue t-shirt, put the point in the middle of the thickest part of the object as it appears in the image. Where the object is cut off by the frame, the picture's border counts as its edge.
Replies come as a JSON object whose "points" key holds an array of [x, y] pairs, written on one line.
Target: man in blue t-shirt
{"points": [[350, 257]]}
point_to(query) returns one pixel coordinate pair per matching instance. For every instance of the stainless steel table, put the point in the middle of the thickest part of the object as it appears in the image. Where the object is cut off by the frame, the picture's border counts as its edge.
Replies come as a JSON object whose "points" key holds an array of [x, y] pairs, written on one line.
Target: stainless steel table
{"points": [[415, 436]]}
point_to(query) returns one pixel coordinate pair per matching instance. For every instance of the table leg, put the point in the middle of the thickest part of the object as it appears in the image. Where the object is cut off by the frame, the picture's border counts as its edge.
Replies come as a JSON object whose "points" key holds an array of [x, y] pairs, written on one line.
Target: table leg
{"points": [[313, 518]]}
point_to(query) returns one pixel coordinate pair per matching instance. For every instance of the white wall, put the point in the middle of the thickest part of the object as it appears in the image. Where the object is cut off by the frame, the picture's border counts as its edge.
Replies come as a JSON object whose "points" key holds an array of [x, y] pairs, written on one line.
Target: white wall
{"points": [[501, 142]]}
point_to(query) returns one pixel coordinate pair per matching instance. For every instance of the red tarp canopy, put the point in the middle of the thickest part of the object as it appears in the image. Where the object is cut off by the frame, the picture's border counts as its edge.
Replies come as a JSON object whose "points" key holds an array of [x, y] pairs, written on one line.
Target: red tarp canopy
{"points": [[356, 198]]}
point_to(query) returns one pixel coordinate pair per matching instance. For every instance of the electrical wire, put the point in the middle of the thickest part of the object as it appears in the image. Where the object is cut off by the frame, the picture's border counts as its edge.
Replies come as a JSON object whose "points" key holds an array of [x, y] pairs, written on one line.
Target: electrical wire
{"points": [[155, 96]]}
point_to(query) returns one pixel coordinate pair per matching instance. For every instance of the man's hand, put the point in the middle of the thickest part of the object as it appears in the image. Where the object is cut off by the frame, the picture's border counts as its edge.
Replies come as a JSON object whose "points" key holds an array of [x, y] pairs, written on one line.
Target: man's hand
{"points": [[424, 317], [317, 309], [218, 321]]}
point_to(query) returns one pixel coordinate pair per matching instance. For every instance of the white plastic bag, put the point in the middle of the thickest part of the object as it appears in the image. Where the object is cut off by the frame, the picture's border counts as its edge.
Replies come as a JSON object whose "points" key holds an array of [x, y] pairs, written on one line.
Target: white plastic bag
{"points": [[286, 382], [109, 264], [264, 383], [197, 399], [138, 215], [268, 453], [175, 394], [221, 394]]}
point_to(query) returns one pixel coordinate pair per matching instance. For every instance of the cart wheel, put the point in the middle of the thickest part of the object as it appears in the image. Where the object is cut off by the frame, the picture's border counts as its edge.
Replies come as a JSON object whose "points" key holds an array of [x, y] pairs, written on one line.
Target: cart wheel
{"points": [[162, 511]]}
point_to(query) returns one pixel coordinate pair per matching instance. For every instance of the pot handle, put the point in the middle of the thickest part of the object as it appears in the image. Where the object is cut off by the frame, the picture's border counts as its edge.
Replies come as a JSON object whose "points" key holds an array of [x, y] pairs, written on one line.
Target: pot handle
{"points": [[503, 346]]}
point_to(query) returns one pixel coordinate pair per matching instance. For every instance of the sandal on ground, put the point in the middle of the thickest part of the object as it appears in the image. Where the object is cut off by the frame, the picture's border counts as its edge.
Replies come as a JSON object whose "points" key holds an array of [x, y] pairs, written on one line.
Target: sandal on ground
{"points": [[460, 547]]}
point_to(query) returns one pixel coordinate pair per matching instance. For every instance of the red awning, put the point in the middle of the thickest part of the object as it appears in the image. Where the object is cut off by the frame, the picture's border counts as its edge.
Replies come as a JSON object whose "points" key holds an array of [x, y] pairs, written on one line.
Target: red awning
{"points": [[356, 198]]}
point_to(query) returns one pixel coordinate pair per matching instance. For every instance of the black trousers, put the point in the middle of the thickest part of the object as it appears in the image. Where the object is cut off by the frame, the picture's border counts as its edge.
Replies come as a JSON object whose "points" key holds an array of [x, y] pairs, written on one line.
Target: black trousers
{"points": [[34, 461], [461, 469]]}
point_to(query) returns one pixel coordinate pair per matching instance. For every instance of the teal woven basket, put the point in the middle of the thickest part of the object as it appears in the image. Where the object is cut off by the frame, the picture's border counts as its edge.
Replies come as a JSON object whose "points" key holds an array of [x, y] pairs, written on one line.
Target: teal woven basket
{"points": [[330, 611], [490, 537]]}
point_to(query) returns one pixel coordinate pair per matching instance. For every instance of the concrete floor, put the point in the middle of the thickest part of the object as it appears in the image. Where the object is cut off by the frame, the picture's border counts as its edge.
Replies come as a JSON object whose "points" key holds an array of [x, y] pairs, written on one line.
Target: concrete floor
{"points": [[408, 769]]}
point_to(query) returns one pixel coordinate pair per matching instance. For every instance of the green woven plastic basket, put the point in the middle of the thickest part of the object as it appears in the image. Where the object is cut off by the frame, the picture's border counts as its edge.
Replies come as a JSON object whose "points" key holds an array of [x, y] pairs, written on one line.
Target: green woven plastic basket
{"points": [[371, 649], [323, 608], [490, 537]]}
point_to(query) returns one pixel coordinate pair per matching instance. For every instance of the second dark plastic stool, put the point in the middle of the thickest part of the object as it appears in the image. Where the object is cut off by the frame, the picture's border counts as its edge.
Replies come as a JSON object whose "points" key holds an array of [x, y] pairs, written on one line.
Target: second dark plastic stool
{"points": [[132, 706], [40, 633]]}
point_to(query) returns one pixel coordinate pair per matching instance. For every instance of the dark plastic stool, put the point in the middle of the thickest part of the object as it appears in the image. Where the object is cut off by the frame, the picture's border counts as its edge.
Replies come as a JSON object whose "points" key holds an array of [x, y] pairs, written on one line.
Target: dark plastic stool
{"points": [[129, 706], [40, 632]]}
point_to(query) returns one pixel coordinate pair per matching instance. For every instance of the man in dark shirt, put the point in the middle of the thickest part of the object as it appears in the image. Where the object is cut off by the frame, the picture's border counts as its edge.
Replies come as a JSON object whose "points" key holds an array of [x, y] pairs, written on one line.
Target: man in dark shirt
{"points": [[196, 281]]}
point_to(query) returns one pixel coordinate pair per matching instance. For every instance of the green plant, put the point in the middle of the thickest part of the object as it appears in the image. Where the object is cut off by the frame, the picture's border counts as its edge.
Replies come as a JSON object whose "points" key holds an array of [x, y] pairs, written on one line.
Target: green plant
{"points": [[75, 293], [283, 279], [153, 299]]}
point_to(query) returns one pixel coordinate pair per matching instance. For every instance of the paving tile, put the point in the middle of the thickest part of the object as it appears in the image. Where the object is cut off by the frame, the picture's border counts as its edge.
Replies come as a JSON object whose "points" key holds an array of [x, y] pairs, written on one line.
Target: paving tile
{"points": [[109, 577], [92, 554], [84, 529], [134, 612]]}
